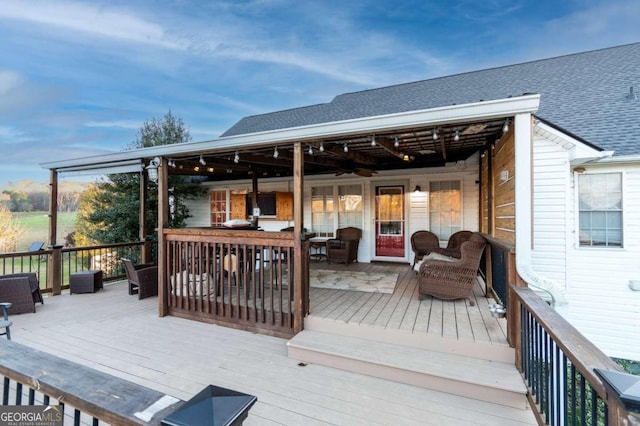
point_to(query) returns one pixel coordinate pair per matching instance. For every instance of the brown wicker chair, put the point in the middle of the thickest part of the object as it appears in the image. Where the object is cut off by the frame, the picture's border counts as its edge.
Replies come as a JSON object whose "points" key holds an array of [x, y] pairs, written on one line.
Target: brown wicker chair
{"points": [[454, 244], [423, 243], [17, 291], [34, 283], [344, 248], [143, 278], [453, 280]]}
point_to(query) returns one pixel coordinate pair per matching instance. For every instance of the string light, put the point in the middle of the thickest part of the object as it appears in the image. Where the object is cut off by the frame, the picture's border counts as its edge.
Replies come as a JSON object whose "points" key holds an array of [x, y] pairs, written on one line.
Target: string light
{"points": [[456, 137], [275, 152], [321, 149], [396, 142], [310, 149], [373, 140], [346, 147], [236, 158], [435, 134], [204, 163], [505, 128]]}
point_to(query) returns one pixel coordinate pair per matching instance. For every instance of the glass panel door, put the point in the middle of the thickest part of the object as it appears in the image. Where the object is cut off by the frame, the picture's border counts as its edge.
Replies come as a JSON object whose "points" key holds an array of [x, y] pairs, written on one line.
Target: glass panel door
{"points": [[389, 221]]}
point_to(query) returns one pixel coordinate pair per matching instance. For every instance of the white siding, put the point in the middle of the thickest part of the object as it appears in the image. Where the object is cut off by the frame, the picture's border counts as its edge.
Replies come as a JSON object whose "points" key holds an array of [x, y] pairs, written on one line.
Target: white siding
{"points": [[602, 306], [550, 191]]}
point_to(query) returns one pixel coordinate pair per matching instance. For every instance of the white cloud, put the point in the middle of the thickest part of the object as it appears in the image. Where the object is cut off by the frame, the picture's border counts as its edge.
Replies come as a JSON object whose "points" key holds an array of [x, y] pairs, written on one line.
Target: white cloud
{"points": [[89, 18], [122, 124]]}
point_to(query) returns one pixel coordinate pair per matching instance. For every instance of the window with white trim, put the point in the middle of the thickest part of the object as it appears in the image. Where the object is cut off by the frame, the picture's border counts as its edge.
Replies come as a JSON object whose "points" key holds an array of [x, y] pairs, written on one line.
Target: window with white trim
{"points": [[445, 208], [335, 206], [600, 210]]}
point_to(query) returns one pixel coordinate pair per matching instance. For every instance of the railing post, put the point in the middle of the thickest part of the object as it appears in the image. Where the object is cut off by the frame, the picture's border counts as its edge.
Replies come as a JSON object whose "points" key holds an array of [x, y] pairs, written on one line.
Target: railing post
{"points": [[55, 270]]}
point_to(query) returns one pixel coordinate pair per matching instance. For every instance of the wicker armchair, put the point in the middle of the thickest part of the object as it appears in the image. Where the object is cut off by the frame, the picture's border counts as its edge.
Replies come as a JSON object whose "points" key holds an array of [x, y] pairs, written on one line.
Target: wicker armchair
{"points": [[143, 278], [454, 244], [34, 283], [17, 291], [423, 243], [344, 248], [453, 280]]}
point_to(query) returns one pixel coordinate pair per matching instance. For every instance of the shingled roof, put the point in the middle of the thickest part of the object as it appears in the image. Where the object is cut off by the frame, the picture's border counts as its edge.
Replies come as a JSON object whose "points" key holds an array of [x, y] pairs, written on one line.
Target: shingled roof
{"points": [[585, 94]]}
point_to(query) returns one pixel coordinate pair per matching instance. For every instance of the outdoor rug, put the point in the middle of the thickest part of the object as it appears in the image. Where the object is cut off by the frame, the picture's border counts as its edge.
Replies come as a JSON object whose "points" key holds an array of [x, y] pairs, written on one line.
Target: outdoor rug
{"points": [[353, 280]]}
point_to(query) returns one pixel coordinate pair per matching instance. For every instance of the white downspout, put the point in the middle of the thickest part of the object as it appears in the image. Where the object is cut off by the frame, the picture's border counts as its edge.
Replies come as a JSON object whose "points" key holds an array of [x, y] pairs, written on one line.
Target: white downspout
{"points": [[523, 136]]}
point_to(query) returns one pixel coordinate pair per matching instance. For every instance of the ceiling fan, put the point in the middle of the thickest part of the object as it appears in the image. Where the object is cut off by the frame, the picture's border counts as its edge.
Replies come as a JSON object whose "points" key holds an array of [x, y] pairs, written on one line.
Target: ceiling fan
{"points": [[358, 170]]}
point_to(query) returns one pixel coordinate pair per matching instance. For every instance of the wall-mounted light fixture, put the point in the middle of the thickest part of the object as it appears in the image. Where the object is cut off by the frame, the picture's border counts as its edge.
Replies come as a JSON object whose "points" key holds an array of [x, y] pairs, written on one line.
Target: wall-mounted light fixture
{"points": [[418, 188], [152, 169]]}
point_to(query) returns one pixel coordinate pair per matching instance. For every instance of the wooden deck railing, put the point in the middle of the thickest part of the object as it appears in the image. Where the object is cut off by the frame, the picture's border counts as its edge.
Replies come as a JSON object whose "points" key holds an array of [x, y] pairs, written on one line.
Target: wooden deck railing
{"points": [[80, 394], [240, 279], [54, 265]]}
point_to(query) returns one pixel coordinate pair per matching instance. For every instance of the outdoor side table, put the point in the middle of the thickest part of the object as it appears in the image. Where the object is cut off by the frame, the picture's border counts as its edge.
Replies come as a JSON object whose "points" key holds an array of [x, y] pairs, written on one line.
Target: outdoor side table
{"points": [[85, 282]]}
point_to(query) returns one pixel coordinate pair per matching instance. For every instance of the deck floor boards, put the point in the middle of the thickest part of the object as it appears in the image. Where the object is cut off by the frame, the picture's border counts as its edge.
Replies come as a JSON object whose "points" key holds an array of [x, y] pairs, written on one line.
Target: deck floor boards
{"points": [[123, 336]]}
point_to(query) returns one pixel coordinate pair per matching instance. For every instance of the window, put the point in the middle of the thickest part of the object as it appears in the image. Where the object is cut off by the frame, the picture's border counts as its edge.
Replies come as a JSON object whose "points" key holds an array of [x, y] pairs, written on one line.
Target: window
{"points": [[322, 216], [600, 210], [334, 207], [218, 207], [445, 208], [350, 206]]}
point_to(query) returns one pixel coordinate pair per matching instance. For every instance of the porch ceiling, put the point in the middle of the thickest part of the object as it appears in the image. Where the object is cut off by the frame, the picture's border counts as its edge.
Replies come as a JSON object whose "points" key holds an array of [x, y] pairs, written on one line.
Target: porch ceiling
{"points": [[415, 148]]}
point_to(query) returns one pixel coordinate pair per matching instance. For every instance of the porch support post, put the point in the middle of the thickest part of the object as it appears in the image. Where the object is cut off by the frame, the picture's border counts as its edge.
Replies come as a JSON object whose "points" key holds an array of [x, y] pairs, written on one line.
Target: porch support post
{"points": [[54, 267], [142, 227], [163, 220], [298, 260], [53, 207]]}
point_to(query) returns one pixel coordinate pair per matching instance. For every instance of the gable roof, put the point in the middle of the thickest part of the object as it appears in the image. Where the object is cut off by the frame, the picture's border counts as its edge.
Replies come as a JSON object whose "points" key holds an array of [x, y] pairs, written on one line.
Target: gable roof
{"points": [[585, 94]]}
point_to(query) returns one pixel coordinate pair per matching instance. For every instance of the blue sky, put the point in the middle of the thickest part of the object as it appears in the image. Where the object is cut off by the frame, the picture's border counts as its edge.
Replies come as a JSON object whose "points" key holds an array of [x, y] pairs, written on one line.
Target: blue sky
{"points": [[79, 78]]}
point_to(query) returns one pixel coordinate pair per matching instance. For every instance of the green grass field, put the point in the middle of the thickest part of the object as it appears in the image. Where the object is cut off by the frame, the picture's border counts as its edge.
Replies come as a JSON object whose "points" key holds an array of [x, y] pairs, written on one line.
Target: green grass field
{"points": [[35, 227]]}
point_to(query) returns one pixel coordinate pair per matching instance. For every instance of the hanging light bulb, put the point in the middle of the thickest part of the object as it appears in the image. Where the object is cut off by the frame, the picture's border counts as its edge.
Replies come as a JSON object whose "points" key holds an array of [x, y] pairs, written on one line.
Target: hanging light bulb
{"points": [[346, 147], [505, 128], [321, 148], [373, 140], [435, 134], [310, 149], [275, 152], [456, 137], [204, 163], [236, 158], [396, 142]]}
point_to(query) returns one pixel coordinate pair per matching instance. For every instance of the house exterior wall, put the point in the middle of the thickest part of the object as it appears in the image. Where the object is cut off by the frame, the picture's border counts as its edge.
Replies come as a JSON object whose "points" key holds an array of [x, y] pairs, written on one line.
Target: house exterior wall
{"points": [[600, 303]]}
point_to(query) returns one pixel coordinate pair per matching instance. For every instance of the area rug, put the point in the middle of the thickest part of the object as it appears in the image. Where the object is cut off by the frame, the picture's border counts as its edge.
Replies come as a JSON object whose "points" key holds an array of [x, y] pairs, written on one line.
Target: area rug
{"points": [[353, 280]]}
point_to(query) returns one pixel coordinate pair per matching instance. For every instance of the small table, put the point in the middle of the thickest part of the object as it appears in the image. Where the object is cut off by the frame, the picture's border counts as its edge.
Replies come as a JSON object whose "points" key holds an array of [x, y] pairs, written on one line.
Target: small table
{"points": [[85, 282], [318, 243]]}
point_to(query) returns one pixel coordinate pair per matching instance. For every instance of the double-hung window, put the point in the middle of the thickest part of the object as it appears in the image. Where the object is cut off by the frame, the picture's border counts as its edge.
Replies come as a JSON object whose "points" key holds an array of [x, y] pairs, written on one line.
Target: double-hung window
{"points": [[335, 206], [600, 210], [445, 208]]}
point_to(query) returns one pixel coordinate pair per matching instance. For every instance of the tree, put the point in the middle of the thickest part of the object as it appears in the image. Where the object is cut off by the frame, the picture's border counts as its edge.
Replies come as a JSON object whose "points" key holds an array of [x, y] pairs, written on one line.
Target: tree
{"points": [[108, 210], [10, 231]]}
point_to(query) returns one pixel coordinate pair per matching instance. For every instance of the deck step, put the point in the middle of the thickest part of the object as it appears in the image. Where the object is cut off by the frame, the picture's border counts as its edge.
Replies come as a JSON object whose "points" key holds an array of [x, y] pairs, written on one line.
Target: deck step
{"points": [[491, 351], [484, 380]]}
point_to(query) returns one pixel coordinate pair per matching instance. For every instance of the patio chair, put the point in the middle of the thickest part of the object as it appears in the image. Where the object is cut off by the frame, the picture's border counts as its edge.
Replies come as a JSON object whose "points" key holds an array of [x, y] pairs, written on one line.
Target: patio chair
{"points": [[453, 280], [143, 278], [17, 291], [344, 248], [4, 322], [34, 284], [454, 244], [423, 243]]}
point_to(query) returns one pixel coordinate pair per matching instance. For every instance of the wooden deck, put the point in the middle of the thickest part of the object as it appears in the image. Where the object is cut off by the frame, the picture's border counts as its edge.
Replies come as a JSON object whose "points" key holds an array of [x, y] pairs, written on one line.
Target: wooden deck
{"points": [[401, 313], [118, 334]]}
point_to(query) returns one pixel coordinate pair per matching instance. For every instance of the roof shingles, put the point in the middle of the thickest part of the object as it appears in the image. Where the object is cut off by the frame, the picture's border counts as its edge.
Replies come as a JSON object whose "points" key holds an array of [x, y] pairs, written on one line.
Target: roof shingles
{"points": [[583, 93]]}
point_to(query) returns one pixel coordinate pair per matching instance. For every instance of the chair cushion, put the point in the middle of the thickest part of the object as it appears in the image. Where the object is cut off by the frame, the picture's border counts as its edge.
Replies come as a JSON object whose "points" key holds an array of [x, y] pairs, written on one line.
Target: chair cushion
{"points": [[433, 256]]}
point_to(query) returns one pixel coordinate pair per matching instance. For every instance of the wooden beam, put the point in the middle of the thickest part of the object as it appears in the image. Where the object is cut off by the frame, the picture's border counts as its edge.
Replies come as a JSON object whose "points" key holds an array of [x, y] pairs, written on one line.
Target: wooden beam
{"points": [[354, 155], [53, 207], [298, 281], [163, 221]]}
